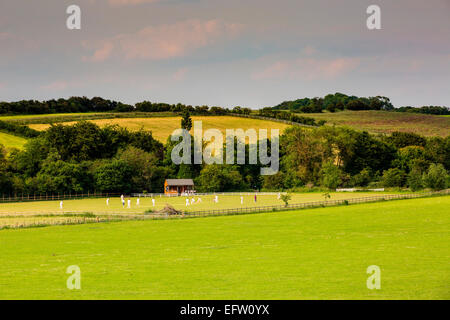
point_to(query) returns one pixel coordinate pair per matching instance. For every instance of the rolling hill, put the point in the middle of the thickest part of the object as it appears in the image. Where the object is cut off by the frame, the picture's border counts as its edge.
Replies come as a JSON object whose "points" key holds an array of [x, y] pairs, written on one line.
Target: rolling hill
{"points": [[388, 122], [163, 127]]}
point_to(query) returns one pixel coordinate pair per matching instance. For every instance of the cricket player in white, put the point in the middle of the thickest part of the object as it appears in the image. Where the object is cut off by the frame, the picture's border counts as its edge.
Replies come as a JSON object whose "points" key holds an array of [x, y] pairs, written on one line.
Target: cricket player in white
{"points": [[187, 202], [137, 201], [129, 203], [153, 202], [242, 200], [61, 205]]}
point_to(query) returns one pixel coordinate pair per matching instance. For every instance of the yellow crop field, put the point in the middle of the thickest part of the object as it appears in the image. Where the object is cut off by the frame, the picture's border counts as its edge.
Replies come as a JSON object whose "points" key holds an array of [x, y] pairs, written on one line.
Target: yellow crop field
{"points": [[162, 128]]}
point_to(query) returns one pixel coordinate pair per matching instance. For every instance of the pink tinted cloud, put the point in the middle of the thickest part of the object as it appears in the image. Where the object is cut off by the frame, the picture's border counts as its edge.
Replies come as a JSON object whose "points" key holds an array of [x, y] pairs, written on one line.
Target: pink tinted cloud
{"points": [[180, 74], [166, 41], [56, 86], [307, 67], [102, 53]]}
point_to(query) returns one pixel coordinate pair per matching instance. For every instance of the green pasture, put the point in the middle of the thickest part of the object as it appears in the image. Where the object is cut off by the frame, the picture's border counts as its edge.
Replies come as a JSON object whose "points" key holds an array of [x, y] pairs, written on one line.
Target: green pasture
{"points": [[11, 141], [98, 205], [308, 254]]}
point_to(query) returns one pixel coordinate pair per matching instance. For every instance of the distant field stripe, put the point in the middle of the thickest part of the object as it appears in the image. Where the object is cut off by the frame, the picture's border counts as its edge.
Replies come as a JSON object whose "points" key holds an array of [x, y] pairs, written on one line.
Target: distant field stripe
{"points": [[387, 121], [11, 141]]}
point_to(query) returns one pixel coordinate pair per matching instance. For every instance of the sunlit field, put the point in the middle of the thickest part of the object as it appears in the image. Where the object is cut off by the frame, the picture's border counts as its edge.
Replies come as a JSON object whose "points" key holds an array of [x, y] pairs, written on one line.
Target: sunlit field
{"points": [[11, 141], [163, 127], [388, 122], [207, 203], [308, 254]]}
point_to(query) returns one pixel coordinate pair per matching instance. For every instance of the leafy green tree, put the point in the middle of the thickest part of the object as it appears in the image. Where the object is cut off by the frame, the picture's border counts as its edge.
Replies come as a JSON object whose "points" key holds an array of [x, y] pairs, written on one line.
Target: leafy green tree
{"points": [[144, 166], [58, 176], [436, 178], [286, 198], [87, 141], [331, 108], [274, 182], [216, 177], [414, 180], [404, 139], [5, 178], [357, 104], [185, 171], [362, 179], [331, 175], [186, 121], [114, 176], [28, 161], [237, 110], [393, 177], [303, 152], [437, 150], [142, 139], [409, 156], [367, 152]]}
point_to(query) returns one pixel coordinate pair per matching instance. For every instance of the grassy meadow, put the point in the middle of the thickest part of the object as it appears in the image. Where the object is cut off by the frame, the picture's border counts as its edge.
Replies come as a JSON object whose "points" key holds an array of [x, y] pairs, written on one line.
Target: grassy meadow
{"points": [[309, 254], [98, 205], [388, 122], [163, 127], [11, 141]]}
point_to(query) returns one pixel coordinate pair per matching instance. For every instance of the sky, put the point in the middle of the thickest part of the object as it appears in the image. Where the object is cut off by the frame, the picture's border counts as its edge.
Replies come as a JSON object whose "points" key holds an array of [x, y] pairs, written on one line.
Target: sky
{"points": [[250, 53]]}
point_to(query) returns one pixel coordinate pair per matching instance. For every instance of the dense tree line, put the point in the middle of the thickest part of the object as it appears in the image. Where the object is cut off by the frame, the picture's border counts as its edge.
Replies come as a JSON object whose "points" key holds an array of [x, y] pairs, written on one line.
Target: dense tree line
{"points": [[341, 157], [339, 102], [71, 105], [84, 157], [331, 102], [289, 116], [336, 102], [436, 110], [97, 104]]}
